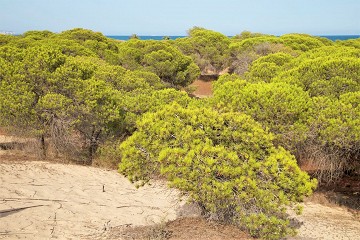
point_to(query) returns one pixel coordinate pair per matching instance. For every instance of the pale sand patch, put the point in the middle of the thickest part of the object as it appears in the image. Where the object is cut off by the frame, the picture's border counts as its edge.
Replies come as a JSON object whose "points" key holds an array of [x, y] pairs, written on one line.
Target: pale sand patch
{"points": [[68, 201], [327, 223]]}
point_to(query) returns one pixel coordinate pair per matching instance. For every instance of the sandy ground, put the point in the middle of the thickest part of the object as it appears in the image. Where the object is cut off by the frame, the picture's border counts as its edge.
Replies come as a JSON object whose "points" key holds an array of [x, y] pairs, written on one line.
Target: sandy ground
{"points": [[327, 223], [203, 89], [40, 200]]}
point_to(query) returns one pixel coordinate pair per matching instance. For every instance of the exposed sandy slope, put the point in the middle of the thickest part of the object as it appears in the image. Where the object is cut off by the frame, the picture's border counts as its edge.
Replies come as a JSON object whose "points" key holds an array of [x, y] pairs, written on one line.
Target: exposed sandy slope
{"points": [[68, 202]]}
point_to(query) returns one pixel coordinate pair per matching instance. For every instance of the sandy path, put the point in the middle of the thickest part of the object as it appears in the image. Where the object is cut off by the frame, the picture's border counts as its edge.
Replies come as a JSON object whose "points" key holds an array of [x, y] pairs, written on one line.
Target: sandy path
{"points": [[203, 89], [68, 202]]}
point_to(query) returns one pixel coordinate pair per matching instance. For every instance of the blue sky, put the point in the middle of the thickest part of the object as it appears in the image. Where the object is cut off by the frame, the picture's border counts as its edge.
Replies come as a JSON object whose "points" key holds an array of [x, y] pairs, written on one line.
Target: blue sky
{"points": [[175, 17]]}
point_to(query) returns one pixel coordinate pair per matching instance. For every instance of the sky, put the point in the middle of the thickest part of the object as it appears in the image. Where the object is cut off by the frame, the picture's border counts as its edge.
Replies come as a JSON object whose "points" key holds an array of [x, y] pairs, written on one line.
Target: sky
{"points": [[175, 17]]}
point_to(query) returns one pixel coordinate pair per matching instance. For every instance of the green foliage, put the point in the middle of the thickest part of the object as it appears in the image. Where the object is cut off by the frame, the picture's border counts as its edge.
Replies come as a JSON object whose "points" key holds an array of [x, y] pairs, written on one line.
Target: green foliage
{"points": [[11, 55], [281, 107], [247, 34], [325, 76], [350, 43], [95, 90], [171, 67], [140, 101], [267, 67], [38, 35], [160, 58], [334, 130], [5, 39], [125, 80], [224, 79], [249, 49], [152, 79], [304, 42], [102, 46], [342, 130], [24, 82], [244, 50], [328, 51], [68, 47], [224, 161], [75, 42], [135, 104], [209, 49], [81, 35], [58, 88], [325, 71], [48, 92], [249, 43], [16, 97]]}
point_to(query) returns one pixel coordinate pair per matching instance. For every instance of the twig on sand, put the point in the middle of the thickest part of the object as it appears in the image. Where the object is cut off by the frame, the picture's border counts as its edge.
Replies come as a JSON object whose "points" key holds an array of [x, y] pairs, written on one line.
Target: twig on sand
{"points": [[33, 199], [138, 206], [53, 227], [19, 209], [13, 233]]}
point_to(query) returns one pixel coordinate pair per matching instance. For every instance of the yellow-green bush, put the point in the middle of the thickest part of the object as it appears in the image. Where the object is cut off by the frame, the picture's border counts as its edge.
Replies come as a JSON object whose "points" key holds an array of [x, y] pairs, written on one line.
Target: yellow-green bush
{"points": [[280, 107], [225, 162]]}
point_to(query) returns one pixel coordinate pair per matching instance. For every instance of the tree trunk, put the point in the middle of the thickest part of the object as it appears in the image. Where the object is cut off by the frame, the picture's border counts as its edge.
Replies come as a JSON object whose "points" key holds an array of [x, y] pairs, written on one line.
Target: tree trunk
{"points": [[42, 146], [94, 144]]}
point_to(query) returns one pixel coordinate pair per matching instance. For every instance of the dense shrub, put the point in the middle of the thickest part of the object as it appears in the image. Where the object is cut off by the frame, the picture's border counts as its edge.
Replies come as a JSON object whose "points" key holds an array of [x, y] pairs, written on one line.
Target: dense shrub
{"points": [[326, 71], [333, 141], [159, 57], [209, 49], [329, 74], [225, 162], [304, 42], [325, 76], [281, 107], [267, 67], [350, 43], [244, 52]]}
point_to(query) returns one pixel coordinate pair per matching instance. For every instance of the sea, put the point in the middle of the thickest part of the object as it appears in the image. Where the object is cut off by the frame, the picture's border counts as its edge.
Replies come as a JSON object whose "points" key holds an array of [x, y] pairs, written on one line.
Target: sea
{"points": [[124, 37], [340, 37]]}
